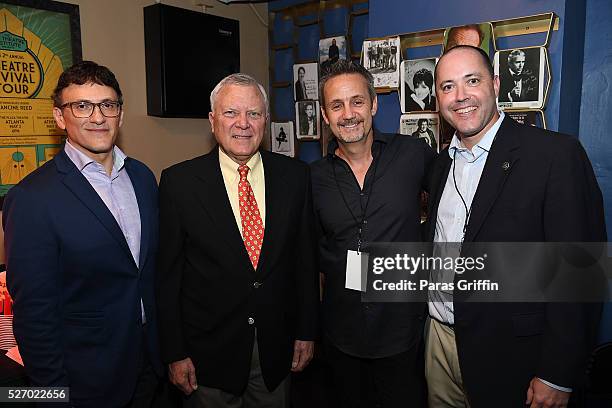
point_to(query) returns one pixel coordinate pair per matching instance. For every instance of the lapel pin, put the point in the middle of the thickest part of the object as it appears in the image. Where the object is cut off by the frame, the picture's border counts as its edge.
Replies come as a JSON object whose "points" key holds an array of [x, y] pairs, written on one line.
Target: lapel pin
{"points": [[506, 165]]}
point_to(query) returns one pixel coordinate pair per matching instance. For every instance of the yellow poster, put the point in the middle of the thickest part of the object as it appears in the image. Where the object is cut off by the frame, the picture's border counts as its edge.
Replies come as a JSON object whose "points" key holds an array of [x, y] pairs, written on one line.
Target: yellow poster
{"points": [[35, 47]]}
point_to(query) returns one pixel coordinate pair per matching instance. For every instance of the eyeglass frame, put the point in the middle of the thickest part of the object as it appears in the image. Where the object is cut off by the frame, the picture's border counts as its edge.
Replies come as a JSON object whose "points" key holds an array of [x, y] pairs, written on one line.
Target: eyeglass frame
{"points": [[94, 104]]}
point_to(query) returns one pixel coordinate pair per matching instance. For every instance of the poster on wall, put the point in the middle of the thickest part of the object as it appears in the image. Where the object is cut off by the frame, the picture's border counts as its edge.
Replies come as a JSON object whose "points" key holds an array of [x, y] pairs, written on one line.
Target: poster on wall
{"points": [[38, 40], [382, 58], [307, 120], [422, 125], [306, 81], [331, 50], [521, 77], [418, 92], [476, 35], [281, 135]]}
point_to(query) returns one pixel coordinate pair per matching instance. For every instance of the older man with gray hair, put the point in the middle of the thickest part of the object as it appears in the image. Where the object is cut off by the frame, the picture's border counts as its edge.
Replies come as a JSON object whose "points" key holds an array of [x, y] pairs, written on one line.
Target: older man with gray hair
{"points": [[237, 282]]}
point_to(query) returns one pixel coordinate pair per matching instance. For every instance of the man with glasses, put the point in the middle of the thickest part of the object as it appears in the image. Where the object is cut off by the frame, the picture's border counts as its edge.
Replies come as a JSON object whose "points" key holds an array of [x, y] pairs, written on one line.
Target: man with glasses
{"points": [[81, 239]]}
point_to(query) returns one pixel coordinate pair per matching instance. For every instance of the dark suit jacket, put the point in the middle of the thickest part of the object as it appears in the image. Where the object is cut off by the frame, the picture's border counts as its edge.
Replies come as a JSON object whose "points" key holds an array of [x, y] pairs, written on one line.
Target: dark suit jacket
{"points": [[208, 289], [529, 87], [304, 125], [300, 93], [75, 284], [548, 194]]}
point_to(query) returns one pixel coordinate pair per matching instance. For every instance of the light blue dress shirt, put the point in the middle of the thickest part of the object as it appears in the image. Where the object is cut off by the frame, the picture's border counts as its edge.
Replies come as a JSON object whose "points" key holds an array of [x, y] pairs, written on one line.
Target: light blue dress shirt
{"points": [[453, 217], [117, 193]]}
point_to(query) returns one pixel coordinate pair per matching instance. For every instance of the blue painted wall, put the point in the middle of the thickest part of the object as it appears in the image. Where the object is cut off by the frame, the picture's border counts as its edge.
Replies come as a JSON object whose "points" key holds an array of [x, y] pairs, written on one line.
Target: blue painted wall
{"points": [[596, 110]]}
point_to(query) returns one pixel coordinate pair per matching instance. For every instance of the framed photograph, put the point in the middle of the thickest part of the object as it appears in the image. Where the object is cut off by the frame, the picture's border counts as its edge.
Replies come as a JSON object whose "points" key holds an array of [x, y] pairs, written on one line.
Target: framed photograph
{"points": [[422, 125], [528, 117], [331, 50], [307, 120], [382, 58], [521, 77], [281, 138], [476, 35], [306, 81], [418, 90]]}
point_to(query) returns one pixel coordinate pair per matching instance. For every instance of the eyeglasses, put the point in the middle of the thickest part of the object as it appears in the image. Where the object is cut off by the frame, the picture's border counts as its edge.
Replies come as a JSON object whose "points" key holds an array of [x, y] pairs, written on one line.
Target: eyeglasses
{"points": [[84, 109]]}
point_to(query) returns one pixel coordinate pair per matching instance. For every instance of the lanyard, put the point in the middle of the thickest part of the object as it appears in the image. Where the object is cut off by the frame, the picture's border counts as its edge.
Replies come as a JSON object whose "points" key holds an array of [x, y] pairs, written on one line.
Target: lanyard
{"points": [[359, 224], [468, 211]]}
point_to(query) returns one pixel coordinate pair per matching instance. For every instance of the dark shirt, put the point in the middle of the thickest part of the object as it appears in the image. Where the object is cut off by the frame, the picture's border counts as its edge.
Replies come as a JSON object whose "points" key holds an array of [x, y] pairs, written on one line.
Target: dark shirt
{"points": [[369, 330]]}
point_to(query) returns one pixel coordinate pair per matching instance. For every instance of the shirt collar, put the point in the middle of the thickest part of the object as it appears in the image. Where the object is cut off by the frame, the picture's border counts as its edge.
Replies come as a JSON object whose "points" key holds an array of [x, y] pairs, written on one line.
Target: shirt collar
{"points": [[378, 138], [484, 145], [81, 160], [231, 167]]}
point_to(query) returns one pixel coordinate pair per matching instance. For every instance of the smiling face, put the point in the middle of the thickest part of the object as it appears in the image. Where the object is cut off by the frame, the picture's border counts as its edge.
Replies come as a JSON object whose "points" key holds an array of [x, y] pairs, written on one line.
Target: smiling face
{"points": [[466, 93], [238, 121], [348, 109], [95, 136]]}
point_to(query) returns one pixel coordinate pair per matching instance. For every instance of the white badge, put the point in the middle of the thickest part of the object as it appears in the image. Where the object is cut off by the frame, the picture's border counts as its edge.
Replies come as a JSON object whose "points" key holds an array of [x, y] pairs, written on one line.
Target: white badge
{"points": [[356, 270]]}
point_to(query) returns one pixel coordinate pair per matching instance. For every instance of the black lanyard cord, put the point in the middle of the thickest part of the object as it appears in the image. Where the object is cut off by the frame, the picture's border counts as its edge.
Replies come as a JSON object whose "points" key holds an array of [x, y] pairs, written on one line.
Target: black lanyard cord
{"points": [[468, 211]]}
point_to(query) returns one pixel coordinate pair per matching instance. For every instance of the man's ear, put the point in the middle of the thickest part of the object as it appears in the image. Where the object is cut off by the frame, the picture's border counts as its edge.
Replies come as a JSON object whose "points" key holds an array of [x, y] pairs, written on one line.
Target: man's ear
{"points": [[375, 105], [59, 118], [211, 117], [324, 115], [496, 85]]}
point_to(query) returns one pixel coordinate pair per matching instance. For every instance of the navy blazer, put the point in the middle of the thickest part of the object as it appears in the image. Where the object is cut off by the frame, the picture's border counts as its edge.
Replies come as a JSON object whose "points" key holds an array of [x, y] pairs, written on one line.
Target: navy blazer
{"points": [[75, 285], [210, 298], [536, 186]]}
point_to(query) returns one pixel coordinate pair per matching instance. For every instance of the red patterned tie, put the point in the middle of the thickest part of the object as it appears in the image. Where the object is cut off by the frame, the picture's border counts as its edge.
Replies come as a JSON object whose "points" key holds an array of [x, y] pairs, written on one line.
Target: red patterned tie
{"points": [[252, 226]]}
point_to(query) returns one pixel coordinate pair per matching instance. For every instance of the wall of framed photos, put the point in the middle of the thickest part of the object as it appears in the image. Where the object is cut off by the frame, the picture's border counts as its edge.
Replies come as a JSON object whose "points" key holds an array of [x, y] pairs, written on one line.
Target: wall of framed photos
{"points": [[303, 37], [394, 17]]}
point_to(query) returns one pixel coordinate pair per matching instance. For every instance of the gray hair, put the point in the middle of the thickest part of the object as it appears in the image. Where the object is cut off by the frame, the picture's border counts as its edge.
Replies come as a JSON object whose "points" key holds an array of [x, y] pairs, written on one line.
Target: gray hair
{"points": [[342, 67], [240, 79], [514, 54]]}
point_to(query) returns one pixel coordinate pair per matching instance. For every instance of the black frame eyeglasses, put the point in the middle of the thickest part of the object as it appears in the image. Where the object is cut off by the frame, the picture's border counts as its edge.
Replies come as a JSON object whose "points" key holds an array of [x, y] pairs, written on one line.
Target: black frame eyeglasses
{"points": [[84, 109]]}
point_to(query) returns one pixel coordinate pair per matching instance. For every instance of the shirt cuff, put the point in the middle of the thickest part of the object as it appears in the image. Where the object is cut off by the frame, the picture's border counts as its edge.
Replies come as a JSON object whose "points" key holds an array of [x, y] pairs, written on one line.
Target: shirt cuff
{"points": [[556, 387]]}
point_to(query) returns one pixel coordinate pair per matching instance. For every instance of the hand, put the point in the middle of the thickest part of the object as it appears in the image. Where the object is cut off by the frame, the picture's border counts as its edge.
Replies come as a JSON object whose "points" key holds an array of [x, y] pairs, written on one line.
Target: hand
{"points": [[515, 93], [182, 374], [302, 354], [540, 395]]}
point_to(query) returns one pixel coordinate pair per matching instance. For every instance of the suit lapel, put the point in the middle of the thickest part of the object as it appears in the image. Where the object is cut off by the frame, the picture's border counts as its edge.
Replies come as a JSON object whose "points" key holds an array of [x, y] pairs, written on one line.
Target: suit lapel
{"points": [[500, 162], [80, 187], [213, 198], [144, 208], [275, 208]]}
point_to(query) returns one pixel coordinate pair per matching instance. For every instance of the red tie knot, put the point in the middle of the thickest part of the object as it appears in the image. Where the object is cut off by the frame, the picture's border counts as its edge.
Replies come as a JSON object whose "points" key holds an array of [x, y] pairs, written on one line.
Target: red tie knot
{"points": [[243, 170]]}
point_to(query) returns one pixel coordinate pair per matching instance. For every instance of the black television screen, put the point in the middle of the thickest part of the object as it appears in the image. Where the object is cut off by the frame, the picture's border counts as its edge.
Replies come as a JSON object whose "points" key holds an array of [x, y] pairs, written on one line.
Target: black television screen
{"points": [[186, 53]]}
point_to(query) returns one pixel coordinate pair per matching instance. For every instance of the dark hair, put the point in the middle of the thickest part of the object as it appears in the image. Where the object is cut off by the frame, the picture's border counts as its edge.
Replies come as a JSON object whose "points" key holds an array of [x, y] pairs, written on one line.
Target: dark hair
{"points": [[302, 69], [483, 56], [342, 67], [85, 72], [423, 75], [421, 121]]}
